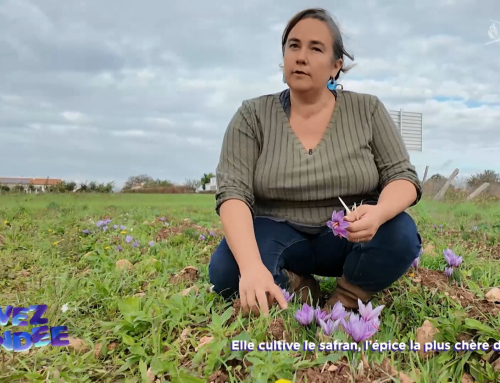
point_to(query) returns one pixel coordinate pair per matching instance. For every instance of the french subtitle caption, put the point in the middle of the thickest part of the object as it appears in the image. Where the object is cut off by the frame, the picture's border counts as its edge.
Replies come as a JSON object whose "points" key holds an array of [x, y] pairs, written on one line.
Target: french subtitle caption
{"points": [[336, 345]]}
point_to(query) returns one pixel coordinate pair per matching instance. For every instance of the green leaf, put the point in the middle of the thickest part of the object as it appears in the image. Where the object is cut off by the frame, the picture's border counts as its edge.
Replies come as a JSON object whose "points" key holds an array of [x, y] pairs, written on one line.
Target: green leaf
{"points": [[184, 377], [127, 339]]}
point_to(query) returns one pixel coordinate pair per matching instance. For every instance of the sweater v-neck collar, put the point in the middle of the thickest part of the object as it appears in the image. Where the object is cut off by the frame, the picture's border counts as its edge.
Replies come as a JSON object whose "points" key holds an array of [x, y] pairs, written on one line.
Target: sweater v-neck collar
{"points": [[285, 117]]}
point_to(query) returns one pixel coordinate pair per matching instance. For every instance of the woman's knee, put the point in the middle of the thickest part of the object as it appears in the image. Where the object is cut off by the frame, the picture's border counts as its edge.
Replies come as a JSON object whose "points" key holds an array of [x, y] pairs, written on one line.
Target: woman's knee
{"points": [[223, 271], [380, 262]]}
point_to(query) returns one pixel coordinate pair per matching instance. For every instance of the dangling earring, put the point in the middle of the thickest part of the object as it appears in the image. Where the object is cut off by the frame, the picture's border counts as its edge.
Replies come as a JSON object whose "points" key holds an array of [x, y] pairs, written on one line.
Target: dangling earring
{"points": [[332, 84], [284, 81]]}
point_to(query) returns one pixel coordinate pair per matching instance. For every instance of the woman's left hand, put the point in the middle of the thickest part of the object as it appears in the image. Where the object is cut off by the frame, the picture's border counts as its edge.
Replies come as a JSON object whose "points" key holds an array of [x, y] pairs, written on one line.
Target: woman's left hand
{"points": [[363, 223]]}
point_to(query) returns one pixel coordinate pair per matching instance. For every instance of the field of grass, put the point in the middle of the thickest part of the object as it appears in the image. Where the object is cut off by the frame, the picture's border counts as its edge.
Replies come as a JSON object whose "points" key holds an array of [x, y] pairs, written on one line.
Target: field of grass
{"points": [[148, 319]]}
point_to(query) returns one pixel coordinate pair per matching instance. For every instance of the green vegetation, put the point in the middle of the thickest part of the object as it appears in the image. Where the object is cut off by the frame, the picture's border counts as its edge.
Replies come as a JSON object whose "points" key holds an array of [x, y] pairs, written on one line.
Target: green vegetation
{"points": [[140, 323]]}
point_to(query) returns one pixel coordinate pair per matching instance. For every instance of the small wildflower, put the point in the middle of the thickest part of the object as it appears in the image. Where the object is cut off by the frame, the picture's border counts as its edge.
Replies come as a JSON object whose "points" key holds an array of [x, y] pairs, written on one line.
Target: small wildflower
{"points": [[337, 224], [122, 227], [119, 248], [287, 295], [338, 311], [162, 219], [86, 231], [152, 243], [474, 228], [136, 243], [451, 258], [415, 262], [328, 326], [283, 381], [55, 243], [115, 227], [128, 239], [448, 272], [212, 234], [367, 312], [305, 315], [106, 247], [123, 232], [321, 315], [167, 224], [64, 308], [358, 329], [104, 228], [202, 237]]}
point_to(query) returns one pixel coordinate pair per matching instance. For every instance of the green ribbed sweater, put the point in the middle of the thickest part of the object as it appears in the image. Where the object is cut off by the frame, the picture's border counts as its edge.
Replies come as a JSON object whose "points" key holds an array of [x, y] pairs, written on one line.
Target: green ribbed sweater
{"points": [[263, 163]]}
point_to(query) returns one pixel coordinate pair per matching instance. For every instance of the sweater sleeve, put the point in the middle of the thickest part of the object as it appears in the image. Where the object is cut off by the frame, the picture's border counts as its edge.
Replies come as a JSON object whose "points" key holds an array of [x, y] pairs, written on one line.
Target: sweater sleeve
{"points": [[391, 156], [238, 156]]}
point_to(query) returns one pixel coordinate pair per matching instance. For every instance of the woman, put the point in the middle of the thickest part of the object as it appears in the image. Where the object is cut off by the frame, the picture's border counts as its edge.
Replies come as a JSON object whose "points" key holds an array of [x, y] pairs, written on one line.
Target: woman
{"points": [[285, 160]]}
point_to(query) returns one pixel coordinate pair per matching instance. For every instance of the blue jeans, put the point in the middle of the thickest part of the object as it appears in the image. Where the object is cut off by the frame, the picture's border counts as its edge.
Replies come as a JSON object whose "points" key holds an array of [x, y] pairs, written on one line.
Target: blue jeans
{"points": [[373, 266]]}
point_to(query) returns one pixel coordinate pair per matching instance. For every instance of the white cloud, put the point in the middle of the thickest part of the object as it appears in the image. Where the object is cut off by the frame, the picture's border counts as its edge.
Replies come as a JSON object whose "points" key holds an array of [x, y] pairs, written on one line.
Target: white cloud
{"points": [[159, 84]]}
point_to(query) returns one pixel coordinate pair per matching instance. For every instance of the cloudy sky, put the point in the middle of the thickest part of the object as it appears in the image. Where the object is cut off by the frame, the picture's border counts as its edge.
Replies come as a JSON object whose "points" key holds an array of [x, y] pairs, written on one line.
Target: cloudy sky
{"points": [[101, 91]]}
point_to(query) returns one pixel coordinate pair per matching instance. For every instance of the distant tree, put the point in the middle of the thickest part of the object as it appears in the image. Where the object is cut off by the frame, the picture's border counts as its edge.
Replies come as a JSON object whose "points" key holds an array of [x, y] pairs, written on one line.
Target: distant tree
{"points": [[137, 180], [206, 179], [478, 179], [192, 184]]}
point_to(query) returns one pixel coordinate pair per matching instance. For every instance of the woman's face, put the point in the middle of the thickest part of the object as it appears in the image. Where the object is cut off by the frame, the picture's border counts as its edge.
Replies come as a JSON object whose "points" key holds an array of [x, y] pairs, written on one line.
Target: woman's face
{"points": [[308, 56]]}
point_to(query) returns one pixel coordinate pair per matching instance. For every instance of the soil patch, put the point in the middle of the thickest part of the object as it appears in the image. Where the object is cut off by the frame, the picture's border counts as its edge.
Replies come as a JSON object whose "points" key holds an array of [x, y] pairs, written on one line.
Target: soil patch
{"points": [[433, 279], [187, 274]]}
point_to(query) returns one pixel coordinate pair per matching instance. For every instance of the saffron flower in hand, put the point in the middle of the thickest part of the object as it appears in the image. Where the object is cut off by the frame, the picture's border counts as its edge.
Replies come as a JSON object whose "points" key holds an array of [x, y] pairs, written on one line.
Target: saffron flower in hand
{"points": [[305, 315], [337, 224], [287, 295]]}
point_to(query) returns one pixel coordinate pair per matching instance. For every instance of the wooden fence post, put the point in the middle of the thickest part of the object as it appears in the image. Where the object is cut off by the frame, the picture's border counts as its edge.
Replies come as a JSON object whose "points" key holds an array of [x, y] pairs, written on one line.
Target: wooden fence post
{"points": [[478, 191], [425, 174], [439, 196]]}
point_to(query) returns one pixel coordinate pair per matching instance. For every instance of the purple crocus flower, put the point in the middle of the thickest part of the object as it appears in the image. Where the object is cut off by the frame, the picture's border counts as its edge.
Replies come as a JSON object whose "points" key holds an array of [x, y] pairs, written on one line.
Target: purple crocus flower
{"points": [[119, 248], [136, 243], [99, 223], [115, 227], [415, 262], [167, 224], [202, 237], [128, 239], [212, 234], [321, 315], [338, 311], [152, 243], [328, 326], [448, 272], [86, 231], [451, 258], [337, 224], [305, 315], [287, 295], [104, 228], [122, 227], [358, 329], [162, 219], [367, 312]]}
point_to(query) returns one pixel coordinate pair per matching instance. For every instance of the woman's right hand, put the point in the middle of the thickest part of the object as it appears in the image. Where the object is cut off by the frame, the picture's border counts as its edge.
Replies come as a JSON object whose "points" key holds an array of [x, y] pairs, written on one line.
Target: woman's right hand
{"points": [[258, 290]]}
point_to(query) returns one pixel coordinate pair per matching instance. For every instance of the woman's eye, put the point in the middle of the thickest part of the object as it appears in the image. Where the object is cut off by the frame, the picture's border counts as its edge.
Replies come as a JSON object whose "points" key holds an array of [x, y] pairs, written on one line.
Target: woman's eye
{"points": [[317, 49]]}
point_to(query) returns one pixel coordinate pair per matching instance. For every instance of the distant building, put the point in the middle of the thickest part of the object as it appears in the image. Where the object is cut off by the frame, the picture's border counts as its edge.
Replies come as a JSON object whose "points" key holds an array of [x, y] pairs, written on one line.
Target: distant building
{"points": [[29, 185]]}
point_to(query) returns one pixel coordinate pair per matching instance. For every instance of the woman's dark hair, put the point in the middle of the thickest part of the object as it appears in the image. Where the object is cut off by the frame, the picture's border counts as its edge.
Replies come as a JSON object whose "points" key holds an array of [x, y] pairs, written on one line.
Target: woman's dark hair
{"points": [[320, 14]]}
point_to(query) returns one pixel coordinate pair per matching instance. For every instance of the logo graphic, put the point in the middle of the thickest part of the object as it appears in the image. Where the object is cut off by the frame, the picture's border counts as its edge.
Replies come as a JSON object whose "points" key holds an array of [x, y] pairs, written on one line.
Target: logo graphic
{"points": [[493, 32], [39, 336]]}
